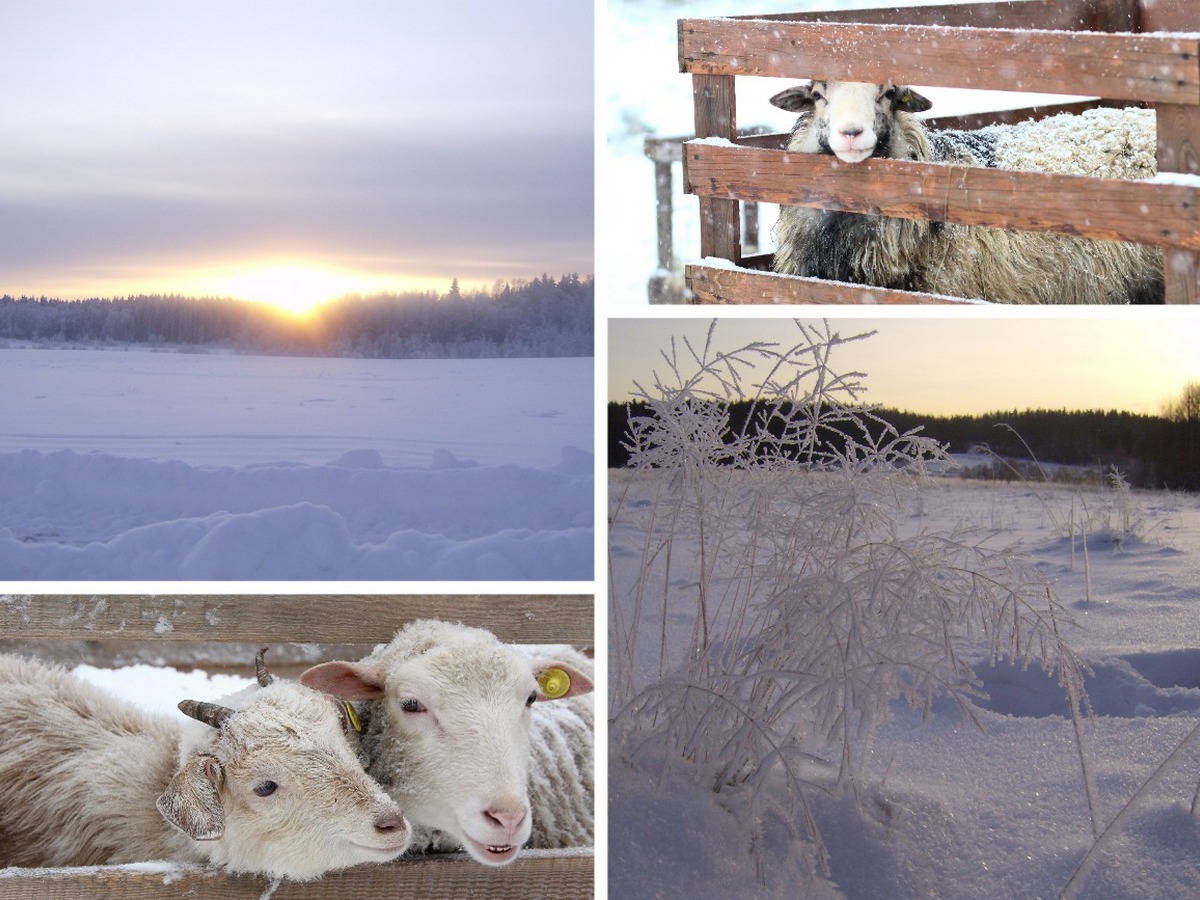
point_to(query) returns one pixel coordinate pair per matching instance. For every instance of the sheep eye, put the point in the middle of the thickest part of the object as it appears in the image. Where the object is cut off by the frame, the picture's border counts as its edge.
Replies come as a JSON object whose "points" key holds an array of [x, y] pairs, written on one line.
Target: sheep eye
{"points": [[532, 699], [817, 96], [266, 789], [412, 705], [889, 94]]}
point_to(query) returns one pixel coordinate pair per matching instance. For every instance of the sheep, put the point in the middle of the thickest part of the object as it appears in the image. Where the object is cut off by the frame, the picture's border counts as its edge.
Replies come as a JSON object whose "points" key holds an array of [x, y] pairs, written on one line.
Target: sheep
{"points": [[855, 121], [458, 728], [269, 784]]}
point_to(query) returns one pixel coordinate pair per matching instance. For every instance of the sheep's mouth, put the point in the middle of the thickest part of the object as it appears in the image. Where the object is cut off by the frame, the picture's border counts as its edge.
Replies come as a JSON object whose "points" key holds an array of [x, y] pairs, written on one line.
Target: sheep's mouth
{"points": [[494, 854]]}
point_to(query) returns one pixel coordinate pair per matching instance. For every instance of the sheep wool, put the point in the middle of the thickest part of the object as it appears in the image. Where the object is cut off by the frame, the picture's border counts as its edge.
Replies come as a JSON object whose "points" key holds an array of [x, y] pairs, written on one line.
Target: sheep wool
{"points": [[561, 773]]}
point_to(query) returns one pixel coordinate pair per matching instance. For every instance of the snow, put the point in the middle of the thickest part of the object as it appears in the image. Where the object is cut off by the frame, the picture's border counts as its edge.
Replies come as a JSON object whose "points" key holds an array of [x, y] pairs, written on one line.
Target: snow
{"points": [[1178, 178], [948, 809], [162, 466]]}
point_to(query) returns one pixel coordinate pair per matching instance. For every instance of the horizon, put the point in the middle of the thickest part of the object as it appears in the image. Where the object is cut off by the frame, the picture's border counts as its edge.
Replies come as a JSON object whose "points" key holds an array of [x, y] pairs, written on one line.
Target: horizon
{"points": [[484, 286], [292, 153], [946, 366]]}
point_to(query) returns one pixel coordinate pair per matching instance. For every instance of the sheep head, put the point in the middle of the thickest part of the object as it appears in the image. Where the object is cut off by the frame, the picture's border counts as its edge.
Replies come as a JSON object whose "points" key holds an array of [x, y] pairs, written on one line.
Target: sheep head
{"points": [[277, 785], [851, 120], [454, 742]]}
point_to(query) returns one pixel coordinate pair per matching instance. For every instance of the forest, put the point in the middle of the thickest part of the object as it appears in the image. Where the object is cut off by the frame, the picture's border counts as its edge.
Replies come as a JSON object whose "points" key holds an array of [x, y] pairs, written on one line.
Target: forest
{"points": [[1151, 451], [545, 317]]}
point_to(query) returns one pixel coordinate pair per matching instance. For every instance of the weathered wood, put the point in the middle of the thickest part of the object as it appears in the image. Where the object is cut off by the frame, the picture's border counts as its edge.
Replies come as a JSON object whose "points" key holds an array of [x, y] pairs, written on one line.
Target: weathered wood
{"points": [[536, 873], [1066, 15], [714, 284], [1178, 150], [1170, 15], [322, 618], [1158, 68], [716, 116], [1166, 215]]}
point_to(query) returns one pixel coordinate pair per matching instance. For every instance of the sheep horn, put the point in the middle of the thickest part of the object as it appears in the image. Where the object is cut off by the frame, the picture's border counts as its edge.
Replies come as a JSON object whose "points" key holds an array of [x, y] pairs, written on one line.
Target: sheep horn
{"points": [[260, 668], [209, 713]]}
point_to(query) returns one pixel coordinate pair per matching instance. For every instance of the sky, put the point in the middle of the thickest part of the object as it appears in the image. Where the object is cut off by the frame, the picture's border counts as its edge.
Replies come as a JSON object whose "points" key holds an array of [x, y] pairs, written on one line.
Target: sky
{"points": [[292, 145], [962, 364]]}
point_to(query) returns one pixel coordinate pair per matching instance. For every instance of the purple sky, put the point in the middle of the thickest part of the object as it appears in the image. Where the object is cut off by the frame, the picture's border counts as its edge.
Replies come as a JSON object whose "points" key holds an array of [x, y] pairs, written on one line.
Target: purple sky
{"points": [[150, 146]]}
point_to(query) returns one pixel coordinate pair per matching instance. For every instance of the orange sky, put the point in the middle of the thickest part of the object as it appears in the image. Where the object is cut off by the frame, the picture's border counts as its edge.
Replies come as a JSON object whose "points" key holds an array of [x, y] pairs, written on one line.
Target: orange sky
{"points": [[1122, 358]]}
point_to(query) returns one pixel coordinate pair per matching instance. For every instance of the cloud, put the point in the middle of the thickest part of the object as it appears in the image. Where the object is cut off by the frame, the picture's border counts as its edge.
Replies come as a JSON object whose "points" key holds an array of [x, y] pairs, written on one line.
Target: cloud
{"points": [[441, 135], [522, 199]]}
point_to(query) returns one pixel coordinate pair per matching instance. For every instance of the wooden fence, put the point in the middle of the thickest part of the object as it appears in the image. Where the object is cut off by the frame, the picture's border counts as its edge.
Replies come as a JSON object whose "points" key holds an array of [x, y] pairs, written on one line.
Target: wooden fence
{"points": [[171, 627], [1106, 48]]}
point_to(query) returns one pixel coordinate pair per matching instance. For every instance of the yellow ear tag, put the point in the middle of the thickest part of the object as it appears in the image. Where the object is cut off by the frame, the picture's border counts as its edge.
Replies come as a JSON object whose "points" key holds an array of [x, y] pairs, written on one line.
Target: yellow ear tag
{"points": [[355, 721], [555, 683]]}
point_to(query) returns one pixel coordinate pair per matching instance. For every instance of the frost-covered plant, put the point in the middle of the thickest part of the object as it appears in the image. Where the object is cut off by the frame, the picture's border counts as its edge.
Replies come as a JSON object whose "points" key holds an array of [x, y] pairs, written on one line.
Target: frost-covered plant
{"points": [[785, 546]]}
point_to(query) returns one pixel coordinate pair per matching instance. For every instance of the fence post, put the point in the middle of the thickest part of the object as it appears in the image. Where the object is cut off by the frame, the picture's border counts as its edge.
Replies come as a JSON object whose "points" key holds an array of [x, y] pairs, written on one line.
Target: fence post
{"points": [[1179, 151], [716, 116]]}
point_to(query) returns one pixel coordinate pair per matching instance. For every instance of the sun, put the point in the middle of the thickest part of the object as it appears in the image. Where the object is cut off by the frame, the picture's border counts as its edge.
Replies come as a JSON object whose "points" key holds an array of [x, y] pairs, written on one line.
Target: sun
{"points": [[293, 288]]}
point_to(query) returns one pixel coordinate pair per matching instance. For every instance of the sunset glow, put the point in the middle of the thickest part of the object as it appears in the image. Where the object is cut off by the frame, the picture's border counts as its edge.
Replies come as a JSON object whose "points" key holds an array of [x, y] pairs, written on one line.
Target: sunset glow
{"points": [[294, 288], [297, 287]]}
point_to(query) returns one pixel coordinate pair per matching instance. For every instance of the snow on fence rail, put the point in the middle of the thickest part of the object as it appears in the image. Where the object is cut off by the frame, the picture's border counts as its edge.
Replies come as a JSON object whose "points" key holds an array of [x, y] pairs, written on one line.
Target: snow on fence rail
{"points": [[1113, 49], [171, 623]]}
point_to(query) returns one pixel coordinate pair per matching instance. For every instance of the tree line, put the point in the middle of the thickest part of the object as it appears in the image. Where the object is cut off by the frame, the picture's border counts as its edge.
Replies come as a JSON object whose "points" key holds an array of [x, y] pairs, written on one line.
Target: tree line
{"points": [[544, 317], [1151, 451]]}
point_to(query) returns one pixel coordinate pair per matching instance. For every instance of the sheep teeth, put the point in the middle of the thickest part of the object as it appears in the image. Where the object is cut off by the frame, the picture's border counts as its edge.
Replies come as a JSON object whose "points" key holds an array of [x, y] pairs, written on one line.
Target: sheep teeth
{"points": [[502, 849]]}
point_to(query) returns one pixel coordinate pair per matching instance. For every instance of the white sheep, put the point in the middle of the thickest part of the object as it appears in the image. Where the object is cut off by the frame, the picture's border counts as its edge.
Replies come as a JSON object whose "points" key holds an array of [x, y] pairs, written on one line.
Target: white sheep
{"points": [[855, 121], [461, 731], [269, 784]]}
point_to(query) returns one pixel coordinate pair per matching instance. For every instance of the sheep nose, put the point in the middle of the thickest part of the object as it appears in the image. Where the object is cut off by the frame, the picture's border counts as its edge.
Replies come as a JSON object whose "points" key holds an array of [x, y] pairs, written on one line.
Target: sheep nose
{"points": [[390, 822], [852, 131], [508, 819]]}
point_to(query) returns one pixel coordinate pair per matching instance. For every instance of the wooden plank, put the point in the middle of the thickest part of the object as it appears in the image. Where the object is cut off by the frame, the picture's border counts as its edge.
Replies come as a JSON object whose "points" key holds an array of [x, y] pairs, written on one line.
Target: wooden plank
{"points": [[1170, 15], [1066, 15], [1159, 68], [1178, 150], [1166, 215], [536, 873], [715, 284], [715, 107], [321, 618]]}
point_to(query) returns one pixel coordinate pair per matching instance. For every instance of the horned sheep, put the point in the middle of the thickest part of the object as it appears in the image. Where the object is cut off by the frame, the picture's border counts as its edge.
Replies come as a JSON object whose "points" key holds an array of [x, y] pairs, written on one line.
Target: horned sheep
{"points": [[268, 784], [855, 121], [487, 746]]}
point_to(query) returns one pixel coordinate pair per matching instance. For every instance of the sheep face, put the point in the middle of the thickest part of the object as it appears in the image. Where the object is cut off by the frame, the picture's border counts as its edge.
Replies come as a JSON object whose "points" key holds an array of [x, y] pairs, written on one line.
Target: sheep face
{"points": [[851, 120], [454, 739], [278, 789]]}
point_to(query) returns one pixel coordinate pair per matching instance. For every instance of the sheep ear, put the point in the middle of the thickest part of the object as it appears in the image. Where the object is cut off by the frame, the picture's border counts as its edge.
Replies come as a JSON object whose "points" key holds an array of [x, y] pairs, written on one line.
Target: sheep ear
{"points": [[191, 802], [908, 100], [551, 681], [794, 99], [346, 681]]}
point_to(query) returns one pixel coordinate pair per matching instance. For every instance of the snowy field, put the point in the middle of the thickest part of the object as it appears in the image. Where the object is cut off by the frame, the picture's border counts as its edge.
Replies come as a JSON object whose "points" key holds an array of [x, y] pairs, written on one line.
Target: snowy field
{"points": [[947, 809], [132, 464], [643, 95]]}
